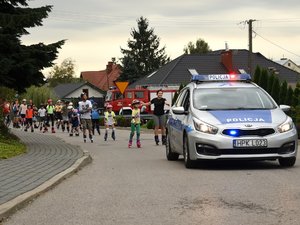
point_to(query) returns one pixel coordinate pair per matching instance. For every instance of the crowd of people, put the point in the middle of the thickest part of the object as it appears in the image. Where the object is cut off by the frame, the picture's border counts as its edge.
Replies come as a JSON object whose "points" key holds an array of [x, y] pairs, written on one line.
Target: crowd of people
{"points": [[84, 118], [50, 117]]}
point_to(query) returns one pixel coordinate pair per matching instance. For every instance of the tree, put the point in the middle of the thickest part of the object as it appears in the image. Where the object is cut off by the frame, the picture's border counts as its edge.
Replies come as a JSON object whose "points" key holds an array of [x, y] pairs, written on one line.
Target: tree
{"points": [[257, 75], [270, 83], [143, 55], [275, 90], [63, 73], [263, 80], [289, 96], [283, 92], [21, 65], [199, 47], [296, 95], [39, 95]]}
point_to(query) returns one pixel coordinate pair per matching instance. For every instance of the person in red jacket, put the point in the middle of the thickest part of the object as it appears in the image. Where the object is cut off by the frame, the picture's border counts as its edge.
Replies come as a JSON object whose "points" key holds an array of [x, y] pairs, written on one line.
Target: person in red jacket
{"points": [[29, 117]]}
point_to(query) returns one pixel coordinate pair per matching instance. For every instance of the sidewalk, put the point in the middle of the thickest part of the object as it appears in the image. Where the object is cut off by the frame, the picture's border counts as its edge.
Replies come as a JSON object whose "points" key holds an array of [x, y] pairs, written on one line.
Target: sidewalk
{"points": [[47, 162]]}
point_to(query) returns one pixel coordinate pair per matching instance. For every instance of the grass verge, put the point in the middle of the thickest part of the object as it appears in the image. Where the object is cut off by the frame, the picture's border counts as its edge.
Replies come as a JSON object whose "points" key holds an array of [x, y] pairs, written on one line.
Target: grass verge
{"points": [[10, 146]]}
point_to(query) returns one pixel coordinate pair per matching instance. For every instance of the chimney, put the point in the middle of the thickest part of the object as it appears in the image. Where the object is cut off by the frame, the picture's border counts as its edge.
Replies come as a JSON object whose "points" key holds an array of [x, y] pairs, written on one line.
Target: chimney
{"points": [[109, 67], [226, 58]]}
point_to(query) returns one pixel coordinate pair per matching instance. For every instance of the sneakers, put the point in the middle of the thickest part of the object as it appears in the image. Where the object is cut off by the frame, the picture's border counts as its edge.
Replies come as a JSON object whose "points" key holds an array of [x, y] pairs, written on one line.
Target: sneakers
{"points": [[138, 144], [129, 144]]}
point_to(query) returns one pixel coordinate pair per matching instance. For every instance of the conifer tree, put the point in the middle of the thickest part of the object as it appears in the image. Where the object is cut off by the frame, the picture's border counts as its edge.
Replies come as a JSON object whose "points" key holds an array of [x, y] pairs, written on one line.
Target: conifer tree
{"points": [[270, 83], [296, 95], [143, 55], [289, 97], [21, 65], [263, 80], [257, 75], [275, 90], [283, 92]]}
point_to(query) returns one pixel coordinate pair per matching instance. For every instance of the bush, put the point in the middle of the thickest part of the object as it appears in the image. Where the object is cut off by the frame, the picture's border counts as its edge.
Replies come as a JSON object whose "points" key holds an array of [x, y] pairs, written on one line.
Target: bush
{"points": [[123, 121], [150, 124]]}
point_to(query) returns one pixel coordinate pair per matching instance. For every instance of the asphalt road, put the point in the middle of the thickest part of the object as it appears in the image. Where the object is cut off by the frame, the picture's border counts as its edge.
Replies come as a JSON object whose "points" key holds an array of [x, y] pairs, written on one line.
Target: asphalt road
{"points": [[139, 186]]}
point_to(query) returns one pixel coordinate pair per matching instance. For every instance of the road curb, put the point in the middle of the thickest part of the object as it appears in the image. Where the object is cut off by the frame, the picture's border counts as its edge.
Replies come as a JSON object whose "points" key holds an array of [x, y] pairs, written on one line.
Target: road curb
{"points": [[17, 203]]}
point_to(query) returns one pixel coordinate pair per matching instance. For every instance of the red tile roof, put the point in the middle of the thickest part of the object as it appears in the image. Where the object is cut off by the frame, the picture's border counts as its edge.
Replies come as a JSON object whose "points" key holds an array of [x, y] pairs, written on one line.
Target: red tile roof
{"points": [[100, 78]]}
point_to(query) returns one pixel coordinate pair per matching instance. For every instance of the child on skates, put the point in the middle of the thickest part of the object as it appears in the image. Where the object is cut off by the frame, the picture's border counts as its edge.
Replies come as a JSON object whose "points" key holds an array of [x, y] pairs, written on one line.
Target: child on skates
{"points": [[74, 123], [109, 121], [135, 123]]}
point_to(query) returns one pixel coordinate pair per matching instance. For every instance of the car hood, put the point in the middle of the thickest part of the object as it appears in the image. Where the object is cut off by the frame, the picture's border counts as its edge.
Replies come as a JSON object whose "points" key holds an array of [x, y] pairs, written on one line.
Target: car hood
{"points": [[223, 117]]}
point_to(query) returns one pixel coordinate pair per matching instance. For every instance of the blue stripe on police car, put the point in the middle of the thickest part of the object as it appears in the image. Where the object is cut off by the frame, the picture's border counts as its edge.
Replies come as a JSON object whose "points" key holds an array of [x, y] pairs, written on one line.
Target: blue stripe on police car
{"points": [[243, 116]]}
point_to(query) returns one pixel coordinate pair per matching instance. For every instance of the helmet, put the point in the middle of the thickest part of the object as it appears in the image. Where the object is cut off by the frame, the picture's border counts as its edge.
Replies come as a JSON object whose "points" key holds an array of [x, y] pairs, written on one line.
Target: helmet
{"points": [[135, 101], [24, 100], [70, 107], [58, 101], [70, 103], [108, 106]]}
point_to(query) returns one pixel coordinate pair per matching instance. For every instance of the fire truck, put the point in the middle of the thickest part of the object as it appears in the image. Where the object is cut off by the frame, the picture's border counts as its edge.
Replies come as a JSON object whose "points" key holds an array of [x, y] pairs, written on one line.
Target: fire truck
{"points": [[144, 94]]}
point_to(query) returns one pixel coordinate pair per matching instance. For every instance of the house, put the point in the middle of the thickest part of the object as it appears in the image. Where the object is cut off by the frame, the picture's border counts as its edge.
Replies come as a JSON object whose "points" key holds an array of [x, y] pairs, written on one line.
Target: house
{"points": [[72, 91], [103, 79], [179, 70], [289, 64]]}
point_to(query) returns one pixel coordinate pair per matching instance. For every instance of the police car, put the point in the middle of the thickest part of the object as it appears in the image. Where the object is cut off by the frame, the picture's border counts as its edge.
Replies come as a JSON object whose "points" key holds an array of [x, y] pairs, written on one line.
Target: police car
{"points": [[226, 116]]}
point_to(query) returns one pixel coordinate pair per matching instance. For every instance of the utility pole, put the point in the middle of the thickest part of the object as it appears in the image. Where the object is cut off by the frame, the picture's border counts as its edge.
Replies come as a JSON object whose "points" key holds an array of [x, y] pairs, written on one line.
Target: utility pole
{"points": [[250, 45]]}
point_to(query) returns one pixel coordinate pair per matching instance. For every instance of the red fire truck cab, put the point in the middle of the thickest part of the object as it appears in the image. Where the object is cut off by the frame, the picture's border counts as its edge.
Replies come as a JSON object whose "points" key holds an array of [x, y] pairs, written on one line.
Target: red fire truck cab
{"points": [[118, 101]]}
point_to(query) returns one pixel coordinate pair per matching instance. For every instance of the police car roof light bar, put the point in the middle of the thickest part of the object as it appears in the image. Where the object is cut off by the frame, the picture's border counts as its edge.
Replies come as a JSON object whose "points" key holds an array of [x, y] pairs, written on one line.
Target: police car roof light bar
{"points": [[221, 77]]}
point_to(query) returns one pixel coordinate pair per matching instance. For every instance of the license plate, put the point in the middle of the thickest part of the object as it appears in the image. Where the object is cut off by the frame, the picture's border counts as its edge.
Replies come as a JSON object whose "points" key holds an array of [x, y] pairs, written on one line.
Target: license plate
{"points": [[249, 143]]}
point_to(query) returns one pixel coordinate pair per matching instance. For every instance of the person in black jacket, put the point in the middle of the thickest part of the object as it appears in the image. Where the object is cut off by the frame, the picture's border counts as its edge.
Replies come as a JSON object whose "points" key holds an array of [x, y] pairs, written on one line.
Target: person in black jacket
{"points": [[159, 116]]}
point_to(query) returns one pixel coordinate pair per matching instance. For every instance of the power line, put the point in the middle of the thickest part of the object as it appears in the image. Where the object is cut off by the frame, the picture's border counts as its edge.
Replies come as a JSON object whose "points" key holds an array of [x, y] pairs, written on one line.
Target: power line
{"points": [[276, 44]]}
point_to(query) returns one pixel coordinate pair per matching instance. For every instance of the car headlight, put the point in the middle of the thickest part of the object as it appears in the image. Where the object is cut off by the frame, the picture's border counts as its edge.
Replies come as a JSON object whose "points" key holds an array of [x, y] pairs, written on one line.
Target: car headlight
{"points": [[204, 127], [286, 126]]}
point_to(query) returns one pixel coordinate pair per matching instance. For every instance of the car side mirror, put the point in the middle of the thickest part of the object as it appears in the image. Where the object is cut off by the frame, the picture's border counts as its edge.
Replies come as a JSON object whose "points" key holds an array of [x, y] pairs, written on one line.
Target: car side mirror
{"points": [[285, 108], [178, 110]]}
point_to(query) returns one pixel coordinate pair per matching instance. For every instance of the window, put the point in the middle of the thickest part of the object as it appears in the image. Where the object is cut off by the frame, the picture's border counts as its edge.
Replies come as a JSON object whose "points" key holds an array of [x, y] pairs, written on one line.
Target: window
{"points": [[139, 94], [118, 95], [128, 94]]}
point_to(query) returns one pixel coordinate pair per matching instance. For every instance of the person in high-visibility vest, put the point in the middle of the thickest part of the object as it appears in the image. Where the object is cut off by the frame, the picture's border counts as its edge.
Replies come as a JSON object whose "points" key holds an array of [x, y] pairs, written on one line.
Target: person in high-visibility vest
{"points": [[109, 121]]}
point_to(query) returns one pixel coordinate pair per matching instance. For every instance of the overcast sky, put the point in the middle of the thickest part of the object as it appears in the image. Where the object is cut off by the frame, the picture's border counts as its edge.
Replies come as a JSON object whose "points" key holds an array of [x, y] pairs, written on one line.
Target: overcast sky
{"points": [[96, 29]]}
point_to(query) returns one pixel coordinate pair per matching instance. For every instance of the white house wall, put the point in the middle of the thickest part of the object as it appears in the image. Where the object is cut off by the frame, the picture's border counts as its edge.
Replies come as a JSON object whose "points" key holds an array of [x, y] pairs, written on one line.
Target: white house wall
{"points": [[92, 92]]}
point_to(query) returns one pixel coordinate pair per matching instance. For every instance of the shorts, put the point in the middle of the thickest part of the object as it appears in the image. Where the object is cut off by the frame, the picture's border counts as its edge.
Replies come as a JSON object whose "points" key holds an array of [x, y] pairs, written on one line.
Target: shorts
{"points": [[159, 121], [86, 124], [58, 116]]}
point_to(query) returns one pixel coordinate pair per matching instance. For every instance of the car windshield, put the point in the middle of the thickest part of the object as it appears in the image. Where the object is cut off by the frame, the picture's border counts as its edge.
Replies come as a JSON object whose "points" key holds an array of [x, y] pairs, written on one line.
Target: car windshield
{"points": [[231, 98]]}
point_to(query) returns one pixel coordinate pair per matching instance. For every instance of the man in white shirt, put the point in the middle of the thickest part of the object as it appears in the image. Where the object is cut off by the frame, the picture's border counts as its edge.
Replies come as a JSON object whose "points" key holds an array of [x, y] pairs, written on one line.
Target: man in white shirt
{"points": [[85, 108]]}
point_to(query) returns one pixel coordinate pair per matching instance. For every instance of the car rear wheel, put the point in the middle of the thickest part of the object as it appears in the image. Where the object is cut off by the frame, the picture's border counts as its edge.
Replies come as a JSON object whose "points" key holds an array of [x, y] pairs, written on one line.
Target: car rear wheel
{"points": [[186, 154], [171, 156], [287, 162]]}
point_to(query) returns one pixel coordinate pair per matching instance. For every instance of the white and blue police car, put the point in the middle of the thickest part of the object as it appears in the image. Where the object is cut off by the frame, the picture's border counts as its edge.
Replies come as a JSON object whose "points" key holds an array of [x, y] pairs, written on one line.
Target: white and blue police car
{"points": [[226, 116]]}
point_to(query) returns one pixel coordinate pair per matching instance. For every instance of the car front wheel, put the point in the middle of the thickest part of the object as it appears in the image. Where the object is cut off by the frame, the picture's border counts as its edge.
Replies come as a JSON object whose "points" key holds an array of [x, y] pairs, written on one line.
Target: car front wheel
{"points": [[287, 162]]}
